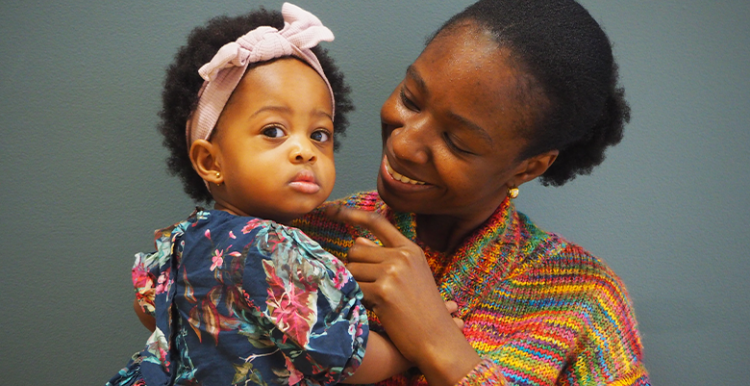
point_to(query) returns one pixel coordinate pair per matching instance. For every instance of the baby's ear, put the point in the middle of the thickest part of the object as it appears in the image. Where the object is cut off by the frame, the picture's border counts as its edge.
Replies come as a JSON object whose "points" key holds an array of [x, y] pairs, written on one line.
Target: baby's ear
{"points": [[204, 157]]}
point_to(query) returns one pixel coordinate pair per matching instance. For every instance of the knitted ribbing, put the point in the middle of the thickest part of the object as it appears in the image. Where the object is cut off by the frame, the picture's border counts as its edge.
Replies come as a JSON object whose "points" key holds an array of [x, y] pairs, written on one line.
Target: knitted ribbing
{"points": [[539, 309]]}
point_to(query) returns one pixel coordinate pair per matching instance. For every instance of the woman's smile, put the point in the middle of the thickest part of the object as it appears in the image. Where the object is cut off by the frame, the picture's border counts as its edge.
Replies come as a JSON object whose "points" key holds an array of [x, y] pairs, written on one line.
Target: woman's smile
{"points": [[398, 182], [399, 177]]}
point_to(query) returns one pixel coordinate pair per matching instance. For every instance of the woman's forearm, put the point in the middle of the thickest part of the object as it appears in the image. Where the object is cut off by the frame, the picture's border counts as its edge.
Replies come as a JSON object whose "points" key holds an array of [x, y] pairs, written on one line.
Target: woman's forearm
{"points": [[446, 356]]}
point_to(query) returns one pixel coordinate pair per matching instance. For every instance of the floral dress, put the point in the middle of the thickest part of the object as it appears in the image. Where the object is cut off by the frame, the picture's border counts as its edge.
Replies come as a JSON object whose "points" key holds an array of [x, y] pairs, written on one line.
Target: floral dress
{"points": [[242, 300]]}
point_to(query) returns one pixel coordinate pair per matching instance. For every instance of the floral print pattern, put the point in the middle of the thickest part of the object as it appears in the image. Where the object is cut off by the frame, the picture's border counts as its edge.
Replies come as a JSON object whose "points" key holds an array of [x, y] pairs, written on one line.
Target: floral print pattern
{"points": [[244, 301]]}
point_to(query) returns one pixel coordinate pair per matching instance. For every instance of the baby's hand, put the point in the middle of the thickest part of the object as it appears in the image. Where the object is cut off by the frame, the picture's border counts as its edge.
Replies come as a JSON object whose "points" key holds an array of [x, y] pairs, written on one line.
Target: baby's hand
{"points": [[452, 307]]}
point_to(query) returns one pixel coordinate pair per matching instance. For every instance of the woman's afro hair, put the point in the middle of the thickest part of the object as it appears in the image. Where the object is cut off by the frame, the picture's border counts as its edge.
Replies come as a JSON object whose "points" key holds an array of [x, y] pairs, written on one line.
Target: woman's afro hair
{"points": [[182, 83], [577, 105]]}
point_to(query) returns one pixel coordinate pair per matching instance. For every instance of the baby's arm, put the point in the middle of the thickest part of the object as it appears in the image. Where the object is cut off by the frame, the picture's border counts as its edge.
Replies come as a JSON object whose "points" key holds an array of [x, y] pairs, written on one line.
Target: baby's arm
{"points": [[147, 320], [382, 360]]}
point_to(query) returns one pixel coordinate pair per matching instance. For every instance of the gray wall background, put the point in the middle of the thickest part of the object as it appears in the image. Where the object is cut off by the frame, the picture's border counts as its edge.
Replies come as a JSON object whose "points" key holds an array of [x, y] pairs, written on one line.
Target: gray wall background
{"points": [[83, 182]]}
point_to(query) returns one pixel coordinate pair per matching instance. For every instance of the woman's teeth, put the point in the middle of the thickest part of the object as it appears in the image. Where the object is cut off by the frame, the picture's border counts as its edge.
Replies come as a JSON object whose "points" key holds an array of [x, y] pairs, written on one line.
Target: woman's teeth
{"points": [[398, 177]]}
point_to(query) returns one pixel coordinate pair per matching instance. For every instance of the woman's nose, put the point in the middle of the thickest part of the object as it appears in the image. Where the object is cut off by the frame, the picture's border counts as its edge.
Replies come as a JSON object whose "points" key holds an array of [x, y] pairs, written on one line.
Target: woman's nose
{"points": [[410, 142]]}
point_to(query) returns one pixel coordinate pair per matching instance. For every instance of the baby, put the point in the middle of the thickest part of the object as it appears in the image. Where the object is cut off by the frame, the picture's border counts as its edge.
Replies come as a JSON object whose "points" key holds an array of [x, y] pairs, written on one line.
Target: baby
{"points": [[232, 295]]}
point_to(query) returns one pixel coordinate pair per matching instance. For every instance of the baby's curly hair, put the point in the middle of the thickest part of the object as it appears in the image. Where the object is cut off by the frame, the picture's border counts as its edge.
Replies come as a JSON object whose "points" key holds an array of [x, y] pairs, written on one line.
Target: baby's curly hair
{"points": [[578, 107], [182, 83]]}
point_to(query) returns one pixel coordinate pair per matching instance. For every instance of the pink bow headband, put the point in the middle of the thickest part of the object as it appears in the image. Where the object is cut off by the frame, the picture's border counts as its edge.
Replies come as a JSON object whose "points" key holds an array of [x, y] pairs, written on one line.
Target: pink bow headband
{"points": [[302, 31]]}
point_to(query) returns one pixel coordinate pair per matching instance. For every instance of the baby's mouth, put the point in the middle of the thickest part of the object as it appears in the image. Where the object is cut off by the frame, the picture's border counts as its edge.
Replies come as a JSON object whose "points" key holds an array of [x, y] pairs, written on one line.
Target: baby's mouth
{"points": [[305, 182], [399, 177]]}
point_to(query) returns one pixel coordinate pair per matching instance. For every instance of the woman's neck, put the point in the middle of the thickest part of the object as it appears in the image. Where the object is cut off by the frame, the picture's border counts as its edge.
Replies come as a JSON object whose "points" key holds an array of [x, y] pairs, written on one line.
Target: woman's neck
{"points": [[445, 233]]}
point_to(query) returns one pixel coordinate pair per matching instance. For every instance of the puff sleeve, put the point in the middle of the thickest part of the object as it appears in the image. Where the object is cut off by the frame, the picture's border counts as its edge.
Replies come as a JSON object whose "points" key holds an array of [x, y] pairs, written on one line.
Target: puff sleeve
{"points": [[308, 303]]}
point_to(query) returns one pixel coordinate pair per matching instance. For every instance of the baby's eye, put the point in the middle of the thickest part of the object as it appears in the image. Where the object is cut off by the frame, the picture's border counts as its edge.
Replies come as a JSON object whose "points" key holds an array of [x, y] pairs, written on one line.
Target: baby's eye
{"points": [[273, 132], [321, 136]]}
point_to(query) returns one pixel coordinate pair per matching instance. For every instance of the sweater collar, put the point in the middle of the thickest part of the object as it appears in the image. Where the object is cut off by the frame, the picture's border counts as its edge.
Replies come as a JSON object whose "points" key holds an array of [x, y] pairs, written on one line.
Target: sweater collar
{"points": [[483, 258]]}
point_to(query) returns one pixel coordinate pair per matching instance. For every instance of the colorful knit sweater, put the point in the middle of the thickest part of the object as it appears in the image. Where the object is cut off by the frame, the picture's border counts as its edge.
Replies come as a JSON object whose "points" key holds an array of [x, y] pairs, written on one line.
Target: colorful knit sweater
{"points": [[538, 309]]}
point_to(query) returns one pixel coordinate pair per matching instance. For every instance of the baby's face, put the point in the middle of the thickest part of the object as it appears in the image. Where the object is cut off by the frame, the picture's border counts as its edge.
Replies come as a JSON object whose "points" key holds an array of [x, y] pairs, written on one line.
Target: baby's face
{"points": [[275, 142]]}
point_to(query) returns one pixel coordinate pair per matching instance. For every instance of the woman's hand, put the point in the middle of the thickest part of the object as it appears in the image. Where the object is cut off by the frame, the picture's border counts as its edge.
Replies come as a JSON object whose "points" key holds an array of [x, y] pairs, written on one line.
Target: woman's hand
{"points": [[399, 287]]}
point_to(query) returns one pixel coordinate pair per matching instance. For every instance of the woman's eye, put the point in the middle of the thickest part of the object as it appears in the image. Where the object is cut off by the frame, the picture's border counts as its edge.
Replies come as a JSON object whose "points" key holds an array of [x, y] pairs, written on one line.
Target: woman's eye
{"points": [[273, 132], [321, 136], [453, 145], [408, 103]]}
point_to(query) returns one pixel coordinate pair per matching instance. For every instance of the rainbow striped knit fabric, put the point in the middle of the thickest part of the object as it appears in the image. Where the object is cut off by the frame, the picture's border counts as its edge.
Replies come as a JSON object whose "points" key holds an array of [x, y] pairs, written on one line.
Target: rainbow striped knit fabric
{"points": [[538, 309]]}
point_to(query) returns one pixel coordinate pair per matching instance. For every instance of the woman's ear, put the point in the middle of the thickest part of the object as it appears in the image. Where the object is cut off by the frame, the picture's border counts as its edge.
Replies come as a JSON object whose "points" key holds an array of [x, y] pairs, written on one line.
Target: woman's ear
{"points": [[533, 167], [205, 159]]}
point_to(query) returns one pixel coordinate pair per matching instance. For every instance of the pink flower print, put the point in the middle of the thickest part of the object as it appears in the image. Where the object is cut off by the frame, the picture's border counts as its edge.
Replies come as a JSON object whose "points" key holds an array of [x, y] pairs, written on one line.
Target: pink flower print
{"points": [[140, 277], [250, 226], [295, 376], [292, 308], [162, 284], [208, 234], [231, 235], [342, 277], [355, 313], [218, 259], [163, 354]]}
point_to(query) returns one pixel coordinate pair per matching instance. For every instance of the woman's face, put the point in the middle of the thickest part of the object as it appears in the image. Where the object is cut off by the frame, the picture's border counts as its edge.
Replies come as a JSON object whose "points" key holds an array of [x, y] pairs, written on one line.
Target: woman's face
{"points": [[450, 142]]}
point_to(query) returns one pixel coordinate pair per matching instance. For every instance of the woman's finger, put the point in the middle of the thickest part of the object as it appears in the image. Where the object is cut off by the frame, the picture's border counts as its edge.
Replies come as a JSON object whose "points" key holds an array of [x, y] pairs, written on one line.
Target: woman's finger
{"points": [[373, 222], [451, 306], [365, 251], [365, 241], [367, 292], [365, 272]]}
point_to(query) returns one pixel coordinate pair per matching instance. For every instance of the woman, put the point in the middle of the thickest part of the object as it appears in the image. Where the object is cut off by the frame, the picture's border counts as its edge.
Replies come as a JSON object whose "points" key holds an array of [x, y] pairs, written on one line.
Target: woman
{"points": [[505, 92]]}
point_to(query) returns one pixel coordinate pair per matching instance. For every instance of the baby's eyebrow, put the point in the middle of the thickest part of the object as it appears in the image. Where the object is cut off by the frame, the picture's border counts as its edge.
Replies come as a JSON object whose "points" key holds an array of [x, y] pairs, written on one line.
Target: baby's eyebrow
{"points": [[324, 113], [280, 109], [288, 110]]}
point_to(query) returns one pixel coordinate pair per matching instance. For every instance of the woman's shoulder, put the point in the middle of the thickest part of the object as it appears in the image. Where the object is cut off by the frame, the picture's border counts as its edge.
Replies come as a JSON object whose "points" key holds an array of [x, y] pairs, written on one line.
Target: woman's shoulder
{"points": [[560, 259], [563, 278], [571, 278]]}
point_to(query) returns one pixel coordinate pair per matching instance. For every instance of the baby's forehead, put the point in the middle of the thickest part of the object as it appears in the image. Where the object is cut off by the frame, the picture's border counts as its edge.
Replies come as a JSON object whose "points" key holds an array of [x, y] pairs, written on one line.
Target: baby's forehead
{"points": [[283, 88], [278, 76]]}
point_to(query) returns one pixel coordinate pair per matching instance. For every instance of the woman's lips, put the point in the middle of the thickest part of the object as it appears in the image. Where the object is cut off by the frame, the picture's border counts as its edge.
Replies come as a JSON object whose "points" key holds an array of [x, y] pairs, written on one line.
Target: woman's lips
{"points": [[398, 176], [304, 182]]}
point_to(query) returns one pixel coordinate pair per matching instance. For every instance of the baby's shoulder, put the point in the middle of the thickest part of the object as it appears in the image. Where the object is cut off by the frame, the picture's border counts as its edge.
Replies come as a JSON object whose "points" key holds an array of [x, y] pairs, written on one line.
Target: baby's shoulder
{"points": [[266, 236]]}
